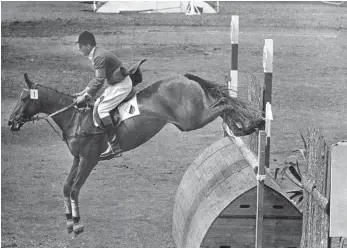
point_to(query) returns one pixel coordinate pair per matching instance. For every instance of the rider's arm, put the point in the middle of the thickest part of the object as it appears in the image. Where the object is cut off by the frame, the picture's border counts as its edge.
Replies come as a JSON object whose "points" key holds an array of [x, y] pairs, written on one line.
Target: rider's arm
{"points": [[100, 75]]}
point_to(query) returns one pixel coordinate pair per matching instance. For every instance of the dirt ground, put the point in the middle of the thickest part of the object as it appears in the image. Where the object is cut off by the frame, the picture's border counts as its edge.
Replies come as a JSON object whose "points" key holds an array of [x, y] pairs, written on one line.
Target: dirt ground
{"points": [[127, 202]]}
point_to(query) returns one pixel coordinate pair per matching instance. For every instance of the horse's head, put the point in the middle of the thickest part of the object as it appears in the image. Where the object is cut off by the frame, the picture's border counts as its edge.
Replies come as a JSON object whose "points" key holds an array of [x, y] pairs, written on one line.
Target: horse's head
{"points": [[27, 106], [244, 127], [245, 120]]}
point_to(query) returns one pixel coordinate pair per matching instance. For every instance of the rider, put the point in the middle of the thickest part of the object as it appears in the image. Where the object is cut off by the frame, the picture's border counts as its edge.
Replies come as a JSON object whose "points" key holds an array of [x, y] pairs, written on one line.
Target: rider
{"points": [[118, 87]]}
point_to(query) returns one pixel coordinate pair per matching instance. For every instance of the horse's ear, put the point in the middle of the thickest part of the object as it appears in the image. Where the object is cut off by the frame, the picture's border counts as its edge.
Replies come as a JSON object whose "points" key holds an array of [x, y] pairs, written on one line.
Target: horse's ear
{"points": [[27, 81]]}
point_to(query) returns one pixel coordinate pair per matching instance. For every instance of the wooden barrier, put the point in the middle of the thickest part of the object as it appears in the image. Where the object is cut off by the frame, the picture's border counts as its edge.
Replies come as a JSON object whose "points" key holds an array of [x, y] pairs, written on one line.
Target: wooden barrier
{"points": [[216, 203], [318, 220], [338, 202]]}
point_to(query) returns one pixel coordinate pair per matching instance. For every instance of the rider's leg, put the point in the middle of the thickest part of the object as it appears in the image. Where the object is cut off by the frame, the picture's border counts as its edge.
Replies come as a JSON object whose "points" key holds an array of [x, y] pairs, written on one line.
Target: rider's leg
{"points": [[113, 144], [112, 96]]}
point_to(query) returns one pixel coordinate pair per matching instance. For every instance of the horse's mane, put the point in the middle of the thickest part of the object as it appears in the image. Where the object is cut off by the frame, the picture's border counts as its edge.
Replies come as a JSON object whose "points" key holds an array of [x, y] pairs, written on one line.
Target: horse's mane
{"points": [[50, 88]]}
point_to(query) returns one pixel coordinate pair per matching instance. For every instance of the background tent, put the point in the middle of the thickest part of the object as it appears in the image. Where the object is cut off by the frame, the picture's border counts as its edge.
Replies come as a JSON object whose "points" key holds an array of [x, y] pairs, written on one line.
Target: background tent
{"points": [[153, 7]]}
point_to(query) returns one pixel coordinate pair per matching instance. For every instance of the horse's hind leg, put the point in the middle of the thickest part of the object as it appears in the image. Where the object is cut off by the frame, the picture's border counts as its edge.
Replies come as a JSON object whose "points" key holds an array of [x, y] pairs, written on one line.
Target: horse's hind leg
{"points": [[84, 168], [202, 118], [239, 126], [66, 191]]}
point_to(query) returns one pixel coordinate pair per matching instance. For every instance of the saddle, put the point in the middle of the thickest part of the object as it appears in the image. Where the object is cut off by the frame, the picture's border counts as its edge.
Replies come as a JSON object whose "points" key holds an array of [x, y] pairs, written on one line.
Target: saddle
{"points": [[133, 71], [115, 112]]}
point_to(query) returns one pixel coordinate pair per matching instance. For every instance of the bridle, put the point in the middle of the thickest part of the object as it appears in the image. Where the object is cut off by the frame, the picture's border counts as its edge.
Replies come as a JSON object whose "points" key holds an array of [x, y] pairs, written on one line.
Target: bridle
{"points": [[22, 119], [51, 121]]}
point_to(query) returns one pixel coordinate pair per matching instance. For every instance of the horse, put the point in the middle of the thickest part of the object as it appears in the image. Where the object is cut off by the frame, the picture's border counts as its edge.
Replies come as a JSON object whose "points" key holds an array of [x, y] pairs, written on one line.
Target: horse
{"points": [[187, 101]]}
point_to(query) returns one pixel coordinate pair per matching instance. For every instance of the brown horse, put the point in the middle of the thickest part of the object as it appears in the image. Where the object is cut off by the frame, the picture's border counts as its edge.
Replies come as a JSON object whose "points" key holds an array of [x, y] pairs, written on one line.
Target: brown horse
{"points": [[188, 102]]}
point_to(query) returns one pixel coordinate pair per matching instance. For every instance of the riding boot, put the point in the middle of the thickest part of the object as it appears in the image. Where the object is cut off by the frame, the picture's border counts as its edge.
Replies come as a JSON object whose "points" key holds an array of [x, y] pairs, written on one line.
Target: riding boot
{"points": [[113, 149]]}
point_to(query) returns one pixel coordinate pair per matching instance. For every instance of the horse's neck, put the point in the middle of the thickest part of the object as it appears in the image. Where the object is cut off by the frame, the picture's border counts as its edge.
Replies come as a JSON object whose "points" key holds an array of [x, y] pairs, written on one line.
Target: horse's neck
{"points": [[52, 101], [64, 118], [53, 104]]}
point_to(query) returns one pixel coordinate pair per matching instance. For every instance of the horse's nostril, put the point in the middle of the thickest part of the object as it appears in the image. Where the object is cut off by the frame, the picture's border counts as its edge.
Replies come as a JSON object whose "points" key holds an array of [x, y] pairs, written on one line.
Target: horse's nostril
{"points": [[10, 122]]}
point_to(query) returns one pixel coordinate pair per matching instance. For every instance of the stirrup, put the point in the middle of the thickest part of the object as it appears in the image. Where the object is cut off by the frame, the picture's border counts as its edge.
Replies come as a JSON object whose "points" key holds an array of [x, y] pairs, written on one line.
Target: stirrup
{"points": [[111, 152]]}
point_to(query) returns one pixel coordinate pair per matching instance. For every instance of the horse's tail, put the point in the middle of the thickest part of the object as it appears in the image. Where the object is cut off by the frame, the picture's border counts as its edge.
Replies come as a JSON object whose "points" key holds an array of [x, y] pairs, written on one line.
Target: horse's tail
{"points": [[217, 91], [208, 86], [214, 90]]}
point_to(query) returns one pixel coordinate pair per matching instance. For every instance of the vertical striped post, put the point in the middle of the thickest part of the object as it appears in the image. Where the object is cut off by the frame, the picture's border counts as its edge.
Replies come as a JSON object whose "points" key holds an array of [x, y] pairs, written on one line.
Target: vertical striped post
{"points": [[260, 190], [234, 35], [268, 68]]}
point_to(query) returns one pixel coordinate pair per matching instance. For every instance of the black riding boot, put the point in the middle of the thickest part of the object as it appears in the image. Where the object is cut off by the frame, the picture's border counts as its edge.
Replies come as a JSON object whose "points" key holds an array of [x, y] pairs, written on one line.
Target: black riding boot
{"points": [[113, 149]]}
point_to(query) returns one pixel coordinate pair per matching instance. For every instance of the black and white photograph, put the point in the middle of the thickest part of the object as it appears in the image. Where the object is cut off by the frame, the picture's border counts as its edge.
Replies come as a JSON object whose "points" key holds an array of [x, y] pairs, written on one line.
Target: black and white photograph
{"points": [[163, 124]]}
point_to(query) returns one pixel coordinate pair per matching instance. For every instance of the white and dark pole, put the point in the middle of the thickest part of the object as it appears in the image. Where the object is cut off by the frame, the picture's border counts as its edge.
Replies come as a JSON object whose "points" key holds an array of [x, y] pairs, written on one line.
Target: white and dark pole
{"points": [[260, 175], [234, 35], [267, 97]]}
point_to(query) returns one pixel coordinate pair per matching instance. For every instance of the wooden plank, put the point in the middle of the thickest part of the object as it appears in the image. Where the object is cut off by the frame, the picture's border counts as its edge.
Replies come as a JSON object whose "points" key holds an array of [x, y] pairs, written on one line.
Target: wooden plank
{"points": [[338, 200], [241, 233], [274, 204], [315, 218], [248, 155]]}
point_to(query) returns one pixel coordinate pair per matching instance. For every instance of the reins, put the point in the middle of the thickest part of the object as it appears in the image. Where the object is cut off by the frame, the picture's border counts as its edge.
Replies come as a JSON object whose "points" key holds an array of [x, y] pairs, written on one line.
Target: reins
{"points": [[49, 119], [62, 110], [62, 135]]}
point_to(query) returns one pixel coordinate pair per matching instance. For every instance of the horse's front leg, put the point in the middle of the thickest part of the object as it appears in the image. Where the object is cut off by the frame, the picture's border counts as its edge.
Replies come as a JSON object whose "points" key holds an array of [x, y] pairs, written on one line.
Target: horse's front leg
{"points": [[67, 191], [85, 166]]}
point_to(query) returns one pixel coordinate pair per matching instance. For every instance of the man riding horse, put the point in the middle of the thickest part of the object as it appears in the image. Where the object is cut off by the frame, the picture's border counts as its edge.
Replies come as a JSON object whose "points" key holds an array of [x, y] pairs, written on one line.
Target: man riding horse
{"points": [[107, 68], [186, 101]]}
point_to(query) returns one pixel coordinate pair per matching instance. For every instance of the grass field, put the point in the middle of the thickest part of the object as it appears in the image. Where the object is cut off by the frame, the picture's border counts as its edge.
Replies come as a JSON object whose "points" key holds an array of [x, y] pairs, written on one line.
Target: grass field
{"points": [[128, 202]]}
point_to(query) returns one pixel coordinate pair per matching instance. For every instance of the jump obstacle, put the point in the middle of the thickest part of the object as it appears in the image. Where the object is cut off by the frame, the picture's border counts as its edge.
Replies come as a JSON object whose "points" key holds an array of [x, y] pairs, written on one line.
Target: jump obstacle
{"points": [[325, 194], [227, 198], [325, 189], [216, 204]]}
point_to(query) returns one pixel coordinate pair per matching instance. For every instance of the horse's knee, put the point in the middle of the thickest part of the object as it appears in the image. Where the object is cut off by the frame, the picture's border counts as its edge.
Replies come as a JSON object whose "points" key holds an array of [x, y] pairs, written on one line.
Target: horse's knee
{"points": [[67, 189], [74, 193]]}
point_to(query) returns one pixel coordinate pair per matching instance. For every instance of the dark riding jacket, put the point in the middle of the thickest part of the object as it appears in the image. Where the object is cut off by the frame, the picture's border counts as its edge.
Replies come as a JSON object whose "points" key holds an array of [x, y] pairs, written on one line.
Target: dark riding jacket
{"points": [[105, 64]]}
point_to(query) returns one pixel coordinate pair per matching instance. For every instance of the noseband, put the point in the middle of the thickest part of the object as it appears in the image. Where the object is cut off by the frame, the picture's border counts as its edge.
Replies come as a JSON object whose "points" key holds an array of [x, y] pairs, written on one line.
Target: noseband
{"points": [[22, 119]]}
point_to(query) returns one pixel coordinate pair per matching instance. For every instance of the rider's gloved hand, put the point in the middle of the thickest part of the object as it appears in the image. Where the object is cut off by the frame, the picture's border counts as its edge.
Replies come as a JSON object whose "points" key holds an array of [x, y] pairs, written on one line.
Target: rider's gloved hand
{"points": [[78, 94], [81, 93], [80, 99]]}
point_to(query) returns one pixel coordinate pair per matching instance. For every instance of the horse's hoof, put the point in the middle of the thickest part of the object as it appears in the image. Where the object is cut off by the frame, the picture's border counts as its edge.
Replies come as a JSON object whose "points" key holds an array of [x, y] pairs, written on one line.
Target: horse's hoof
{"points": [[77, 229], [69, 226]]}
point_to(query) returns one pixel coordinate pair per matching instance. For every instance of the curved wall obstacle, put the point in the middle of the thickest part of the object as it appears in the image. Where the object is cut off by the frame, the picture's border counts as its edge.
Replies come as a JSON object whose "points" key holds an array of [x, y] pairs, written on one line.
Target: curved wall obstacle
{"points": [[216, 203]]}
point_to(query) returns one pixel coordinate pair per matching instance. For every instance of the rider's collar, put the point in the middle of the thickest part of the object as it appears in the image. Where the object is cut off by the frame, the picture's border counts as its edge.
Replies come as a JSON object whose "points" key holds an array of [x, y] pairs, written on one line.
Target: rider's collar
{"points": [[91, 54]]}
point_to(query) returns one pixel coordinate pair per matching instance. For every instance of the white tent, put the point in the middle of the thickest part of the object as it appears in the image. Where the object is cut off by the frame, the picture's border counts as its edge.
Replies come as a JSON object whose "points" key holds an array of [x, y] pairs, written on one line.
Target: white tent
{"points": [[153, 7]]}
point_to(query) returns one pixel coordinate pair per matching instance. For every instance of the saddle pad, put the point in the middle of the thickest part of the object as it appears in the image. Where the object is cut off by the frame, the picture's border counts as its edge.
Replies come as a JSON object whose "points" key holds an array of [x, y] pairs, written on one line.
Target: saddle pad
{"points": [[126, 110], [129, 109]]}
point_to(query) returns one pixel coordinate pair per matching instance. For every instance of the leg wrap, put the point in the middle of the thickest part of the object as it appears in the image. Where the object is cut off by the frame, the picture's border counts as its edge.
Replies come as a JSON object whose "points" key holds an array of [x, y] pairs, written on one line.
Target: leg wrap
{"points": [[75, 210], [67, 206]]}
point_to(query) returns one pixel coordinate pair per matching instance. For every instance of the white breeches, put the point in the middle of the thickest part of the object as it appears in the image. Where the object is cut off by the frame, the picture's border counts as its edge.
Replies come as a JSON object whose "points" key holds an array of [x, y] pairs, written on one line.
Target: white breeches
{"points": [[114, 95]]}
